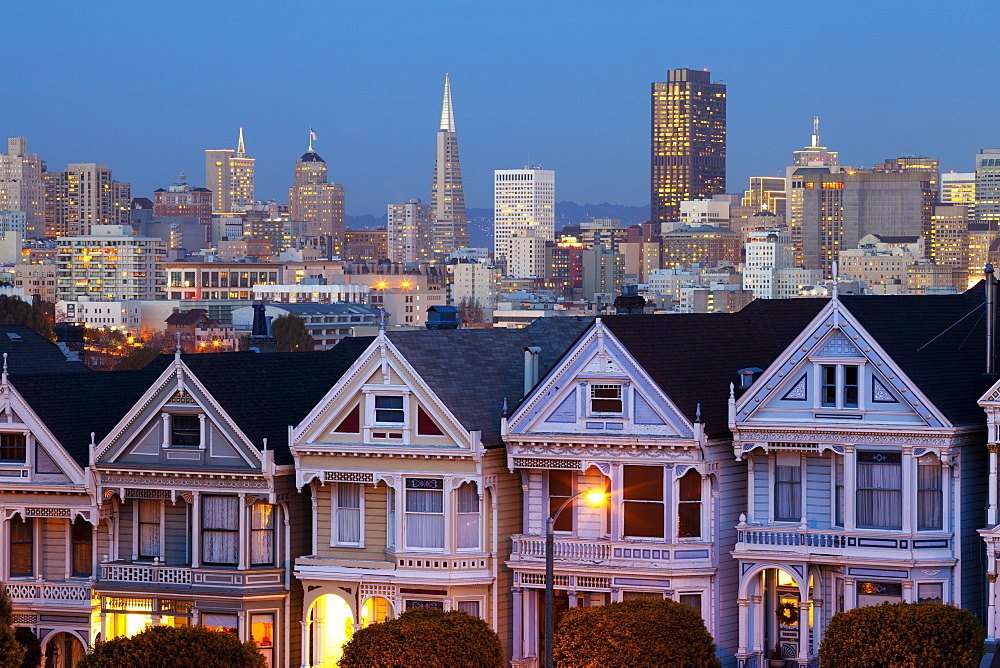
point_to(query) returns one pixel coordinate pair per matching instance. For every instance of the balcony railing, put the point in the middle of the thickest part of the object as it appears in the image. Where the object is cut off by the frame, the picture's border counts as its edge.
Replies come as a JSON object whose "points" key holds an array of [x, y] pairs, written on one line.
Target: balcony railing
{"points": [[806, 541], [174, 577], [49, 593], [582, 552]]}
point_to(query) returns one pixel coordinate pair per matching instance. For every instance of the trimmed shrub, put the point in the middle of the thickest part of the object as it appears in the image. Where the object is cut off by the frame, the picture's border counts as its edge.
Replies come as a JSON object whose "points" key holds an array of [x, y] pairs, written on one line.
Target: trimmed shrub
{"points": [[906, 635], [644, 632], [175, 647], [425, 638]]}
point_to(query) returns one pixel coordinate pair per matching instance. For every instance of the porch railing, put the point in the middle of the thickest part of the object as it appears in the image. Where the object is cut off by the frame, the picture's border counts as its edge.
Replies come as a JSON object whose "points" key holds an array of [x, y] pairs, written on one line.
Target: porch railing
{"points": [[49, 593], [175, 577]]}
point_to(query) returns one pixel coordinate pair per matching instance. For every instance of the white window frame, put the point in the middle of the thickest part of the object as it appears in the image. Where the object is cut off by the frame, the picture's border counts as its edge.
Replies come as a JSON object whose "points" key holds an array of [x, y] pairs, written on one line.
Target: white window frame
{"points": [[335, 515], [481, 600], [136, 530], [594, 385], [675, 502], [478, 547], [445, 507], [839, 363]]}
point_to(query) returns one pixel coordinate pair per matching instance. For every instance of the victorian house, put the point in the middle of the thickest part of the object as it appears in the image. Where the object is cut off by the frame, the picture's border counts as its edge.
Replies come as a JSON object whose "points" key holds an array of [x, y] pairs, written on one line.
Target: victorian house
{"points": [[866, 477], [412, 502], [632, 408]]}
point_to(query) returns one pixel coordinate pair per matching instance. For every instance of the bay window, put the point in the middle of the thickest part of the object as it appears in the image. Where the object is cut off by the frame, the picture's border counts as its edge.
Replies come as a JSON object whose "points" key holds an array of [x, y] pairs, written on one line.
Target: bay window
{"points": [[929, 493], [643, 502], [787, 487], [467, 513], [689, 505], [220, 530], [261, 534], [880, 490], [424, 513], [347, 513]]}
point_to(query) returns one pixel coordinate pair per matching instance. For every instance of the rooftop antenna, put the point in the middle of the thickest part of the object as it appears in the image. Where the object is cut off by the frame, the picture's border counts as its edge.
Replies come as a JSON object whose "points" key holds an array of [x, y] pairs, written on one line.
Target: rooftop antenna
{"points": [[182, 178]]}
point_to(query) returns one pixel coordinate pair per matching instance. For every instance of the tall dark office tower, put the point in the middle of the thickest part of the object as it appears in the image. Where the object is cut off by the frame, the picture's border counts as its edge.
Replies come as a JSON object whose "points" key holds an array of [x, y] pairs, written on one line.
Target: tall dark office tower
{"points": [[451, 229], [688, 141]]}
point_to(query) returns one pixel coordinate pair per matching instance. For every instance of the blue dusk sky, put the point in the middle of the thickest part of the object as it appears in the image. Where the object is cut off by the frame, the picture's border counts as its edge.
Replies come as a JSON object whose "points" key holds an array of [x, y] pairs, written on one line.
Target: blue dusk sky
{"points": [[146, 87]]}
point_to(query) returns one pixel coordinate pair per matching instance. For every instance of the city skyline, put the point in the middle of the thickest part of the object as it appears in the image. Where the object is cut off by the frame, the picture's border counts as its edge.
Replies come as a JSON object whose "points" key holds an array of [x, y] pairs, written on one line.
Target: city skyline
{"points": [[581, 111]]}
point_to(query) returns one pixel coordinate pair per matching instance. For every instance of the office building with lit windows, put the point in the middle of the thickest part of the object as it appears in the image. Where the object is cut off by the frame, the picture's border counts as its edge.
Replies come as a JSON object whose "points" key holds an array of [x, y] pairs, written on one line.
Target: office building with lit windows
{"points": [[988, 186], [21, 186], [409, 228], [84, 195], [230, 176], [959, 188], [315, 201], [109, 264], [688, 156], [524, 202]]}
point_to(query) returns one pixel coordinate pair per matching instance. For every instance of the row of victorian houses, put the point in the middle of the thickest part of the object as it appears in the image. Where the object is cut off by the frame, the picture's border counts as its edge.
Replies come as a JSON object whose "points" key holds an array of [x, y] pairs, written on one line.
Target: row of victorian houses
{"points": [[768, 468]]}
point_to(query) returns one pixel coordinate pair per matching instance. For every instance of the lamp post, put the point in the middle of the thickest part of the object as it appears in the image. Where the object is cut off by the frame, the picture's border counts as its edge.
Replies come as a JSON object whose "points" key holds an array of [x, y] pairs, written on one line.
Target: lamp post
{"points": [[595, 497]]}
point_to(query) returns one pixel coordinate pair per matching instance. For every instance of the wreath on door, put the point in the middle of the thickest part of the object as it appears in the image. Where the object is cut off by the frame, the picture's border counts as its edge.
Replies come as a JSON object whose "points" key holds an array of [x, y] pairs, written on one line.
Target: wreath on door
{"points": [[788, 613]]}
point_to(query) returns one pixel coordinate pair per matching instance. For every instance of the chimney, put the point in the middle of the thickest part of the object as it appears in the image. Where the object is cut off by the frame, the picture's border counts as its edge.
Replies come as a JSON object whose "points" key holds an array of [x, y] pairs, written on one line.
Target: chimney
{"points": [[530, 367]]}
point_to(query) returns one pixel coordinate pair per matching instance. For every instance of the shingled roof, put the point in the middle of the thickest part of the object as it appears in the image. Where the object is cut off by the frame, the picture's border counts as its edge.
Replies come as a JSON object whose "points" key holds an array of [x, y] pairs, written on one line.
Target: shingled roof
{"points": [[694, 357], [473, 370], [30, 352]]}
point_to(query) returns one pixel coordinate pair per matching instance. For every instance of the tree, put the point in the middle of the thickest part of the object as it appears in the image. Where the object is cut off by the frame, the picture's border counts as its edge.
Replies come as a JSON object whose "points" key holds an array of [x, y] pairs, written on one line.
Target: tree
{"points": [[291, 334], [13, 311], [175, 647], [470, 311], [427, 638], [32, 647], [12, 652], [625, 304], [138, 358], [643, 632], [903, 634]]}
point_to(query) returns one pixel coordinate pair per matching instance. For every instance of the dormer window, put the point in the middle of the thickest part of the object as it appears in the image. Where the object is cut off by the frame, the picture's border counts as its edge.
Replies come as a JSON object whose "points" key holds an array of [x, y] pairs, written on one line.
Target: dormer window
{"points": [[185, 430], [606, 398], [839, 385], [389, 410], [13, 447]]}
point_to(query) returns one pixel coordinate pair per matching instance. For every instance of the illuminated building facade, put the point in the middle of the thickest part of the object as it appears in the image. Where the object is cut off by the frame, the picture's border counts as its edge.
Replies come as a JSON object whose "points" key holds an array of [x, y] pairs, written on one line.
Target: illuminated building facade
{"points": [[704, 245], [22, 187], [315, 201], [409, 231], [182, 201], [767, 252], [82, 196], [365, 245], [230, 176], [451, 228], [524, 204], [564, 266], [688, 158], [949, 241], [912, 163], [959, 188], [109, 264], [766, 193], [988, 186]]}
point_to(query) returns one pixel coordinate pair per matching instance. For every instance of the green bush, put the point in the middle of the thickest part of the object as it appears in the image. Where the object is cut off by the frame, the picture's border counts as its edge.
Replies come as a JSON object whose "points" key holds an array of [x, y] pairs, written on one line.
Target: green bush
{"points": [[644, 632], [425, 638], [175, 647], [906, 635]]}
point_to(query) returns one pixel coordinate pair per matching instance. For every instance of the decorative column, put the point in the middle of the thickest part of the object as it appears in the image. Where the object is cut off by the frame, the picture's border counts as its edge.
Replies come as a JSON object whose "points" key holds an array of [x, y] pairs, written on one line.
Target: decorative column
{"points": [[202, 434], [517, 652], [166, 430], [991, 609], [991, 489], [907, 591], [850, 594], [818, 623], [244, 533], [757, 639], [571, 594], [803, 632], [751, 511], [850, 487], [195, 529], [306, 639], [744, 619], [909, 464]]}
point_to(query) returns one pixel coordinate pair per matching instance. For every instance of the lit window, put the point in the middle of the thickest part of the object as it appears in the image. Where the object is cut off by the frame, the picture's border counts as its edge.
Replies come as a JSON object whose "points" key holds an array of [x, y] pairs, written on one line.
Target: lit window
{"points": [[261, 534]]}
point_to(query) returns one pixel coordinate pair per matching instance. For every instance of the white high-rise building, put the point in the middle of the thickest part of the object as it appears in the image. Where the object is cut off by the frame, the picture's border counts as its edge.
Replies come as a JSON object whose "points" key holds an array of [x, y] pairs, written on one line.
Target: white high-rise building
{"points": [[110, 264], [527, 257], [768, 252], [409, 231], [988, 185], [21, 185], [959, 188], [524, 205]]}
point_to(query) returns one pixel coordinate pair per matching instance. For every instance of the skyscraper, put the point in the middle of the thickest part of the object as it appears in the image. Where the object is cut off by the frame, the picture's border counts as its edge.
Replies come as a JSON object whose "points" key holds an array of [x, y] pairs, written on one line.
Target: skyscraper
{"points": [[313, 200], [451, 229], [229, 175], [409, 227], [524, 202], [84, 195], [21, 185], [987, 208], [688, 144]]}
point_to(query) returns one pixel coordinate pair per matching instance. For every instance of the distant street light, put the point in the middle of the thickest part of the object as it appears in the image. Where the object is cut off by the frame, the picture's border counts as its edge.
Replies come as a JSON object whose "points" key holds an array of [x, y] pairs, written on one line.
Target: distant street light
{"points": [[596, 498]]}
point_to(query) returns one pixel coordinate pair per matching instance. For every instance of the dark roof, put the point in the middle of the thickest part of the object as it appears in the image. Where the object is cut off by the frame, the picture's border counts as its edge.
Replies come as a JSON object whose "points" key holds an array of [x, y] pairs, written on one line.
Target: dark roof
{"points": [[473, 370], [192, 317], [939, 341], [886, 239], [30, 352], [694, 357], [311, 156]]}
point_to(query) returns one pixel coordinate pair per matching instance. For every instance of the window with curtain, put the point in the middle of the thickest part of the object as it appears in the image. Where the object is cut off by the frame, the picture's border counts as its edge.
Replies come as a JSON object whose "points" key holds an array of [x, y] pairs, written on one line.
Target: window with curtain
{"points": [[689, 505], [149, 527], [425, 513], [561, 489], [930, 493], [787, 488], [261, 534], [347, 530], [643, 503], [220, 534], [469, 607], [838, 491], [880, 490], [82, 534], [21, 535], [467, 516]]}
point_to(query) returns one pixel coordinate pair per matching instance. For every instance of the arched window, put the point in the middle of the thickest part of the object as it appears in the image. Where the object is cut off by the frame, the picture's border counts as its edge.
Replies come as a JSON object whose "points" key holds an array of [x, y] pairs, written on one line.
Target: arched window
{"points": [[689, 505], [467, 517]]}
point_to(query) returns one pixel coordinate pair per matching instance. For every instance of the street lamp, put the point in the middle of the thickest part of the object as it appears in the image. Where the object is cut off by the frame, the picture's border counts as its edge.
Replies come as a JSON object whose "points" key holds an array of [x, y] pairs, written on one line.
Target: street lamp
{"points": [[596, 498]]}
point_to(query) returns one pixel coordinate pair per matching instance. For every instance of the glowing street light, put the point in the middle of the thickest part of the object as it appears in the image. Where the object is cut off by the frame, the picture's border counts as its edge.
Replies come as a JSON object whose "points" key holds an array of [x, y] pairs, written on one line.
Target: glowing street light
{"points": [[596, 498]]}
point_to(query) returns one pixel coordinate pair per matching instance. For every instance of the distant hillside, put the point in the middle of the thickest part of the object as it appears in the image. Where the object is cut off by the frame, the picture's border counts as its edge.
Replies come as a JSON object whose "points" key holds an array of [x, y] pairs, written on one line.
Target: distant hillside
{"points": [[567, 213]]}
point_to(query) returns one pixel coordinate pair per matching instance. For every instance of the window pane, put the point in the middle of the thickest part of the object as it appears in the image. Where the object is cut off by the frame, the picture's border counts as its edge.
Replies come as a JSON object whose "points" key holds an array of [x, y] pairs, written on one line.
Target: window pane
{"points": [[689, 505], [829, 375], [692, 601], [83, 547], [930, 592], [13, 447], [389, 409], [929, 496], [560, 489], [643, 519], [348, 513], [221, 512], [185, 430], [424, 501], [606, 398], [468, 516], [788, 493], [20, 546], [850, 387], [220, 535], [261, 534], [643, 483], [470, 607]]}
